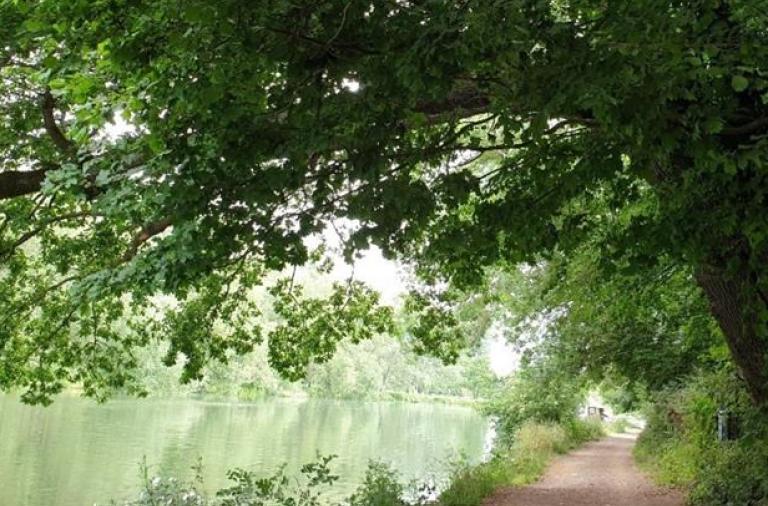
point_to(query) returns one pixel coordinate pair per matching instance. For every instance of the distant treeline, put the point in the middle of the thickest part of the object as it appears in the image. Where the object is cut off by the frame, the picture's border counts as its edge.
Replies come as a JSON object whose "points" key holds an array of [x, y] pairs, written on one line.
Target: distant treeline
{"points": [[381, 368]]}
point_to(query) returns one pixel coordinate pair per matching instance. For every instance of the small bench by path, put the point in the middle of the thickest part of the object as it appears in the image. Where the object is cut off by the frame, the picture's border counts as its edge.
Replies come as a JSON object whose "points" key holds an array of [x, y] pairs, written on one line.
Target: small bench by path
{"points": [[601, 473]]}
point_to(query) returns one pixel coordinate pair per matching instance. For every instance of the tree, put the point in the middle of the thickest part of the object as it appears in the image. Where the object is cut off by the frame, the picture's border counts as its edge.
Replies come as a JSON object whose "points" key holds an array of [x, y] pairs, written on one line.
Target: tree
{"points": [[460, 134], [646, 330]]}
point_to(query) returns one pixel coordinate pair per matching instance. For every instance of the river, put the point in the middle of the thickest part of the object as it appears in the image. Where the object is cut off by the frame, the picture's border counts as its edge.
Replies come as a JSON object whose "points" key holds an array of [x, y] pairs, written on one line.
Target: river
{"points": [[79, 453]]}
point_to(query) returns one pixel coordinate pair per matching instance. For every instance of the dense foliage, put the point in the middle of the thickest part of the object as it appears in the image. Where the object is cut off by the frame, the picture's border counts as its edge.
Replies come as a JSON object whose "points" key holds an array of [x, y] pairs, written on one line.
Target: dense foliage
{"points": [[459, 134], [641, 330], [538, 393], [383, 366], [648, 340], [680, 448]]}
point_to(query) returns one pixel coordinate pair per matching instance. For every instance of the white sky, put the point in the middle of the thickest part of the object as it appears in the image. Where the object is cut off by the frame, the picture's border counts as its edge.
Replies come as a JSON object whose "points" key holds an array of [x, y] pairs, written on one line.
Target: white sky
{"points": [[385, 276], [503, 358]]}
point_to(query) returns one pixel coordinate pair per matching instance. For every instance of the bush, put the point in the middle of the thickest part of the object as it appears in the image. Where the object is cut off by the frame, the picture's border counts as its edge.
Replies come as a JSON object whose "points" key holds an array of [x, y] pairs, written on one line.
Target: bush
{"points": [[581, 431], [380, 488], [469, 485], [168, 491], [534, 394], [671, 463], [679, 445], [732, 474]]}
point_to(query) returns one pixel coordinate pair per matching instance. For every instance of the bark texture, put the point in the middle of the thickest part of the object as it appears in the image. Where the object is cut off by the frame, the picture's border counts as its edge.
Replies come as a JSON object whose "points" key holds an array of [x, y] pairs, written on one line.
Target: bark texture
{"points": [[16, 183], [736, 311]]}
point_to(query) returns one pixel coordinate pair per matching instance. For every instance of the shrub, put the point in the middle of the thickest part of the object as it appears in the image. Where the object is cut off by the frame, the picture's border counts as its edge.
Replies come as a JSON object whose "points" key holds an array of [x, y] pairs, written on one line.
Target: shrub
{"points": [[469, 485], [581, 431], [168, 491], [278, 489], [534, 395], [736, 473], [379, 488], [679, 445]]}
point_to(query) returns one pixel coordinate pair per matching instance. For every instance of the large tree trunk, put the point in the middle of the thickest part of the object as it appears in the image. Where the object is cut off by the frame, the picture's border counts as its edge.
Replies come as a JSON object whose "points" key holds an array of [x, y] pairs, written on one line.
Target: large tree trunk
{"points": [[735, 303]]}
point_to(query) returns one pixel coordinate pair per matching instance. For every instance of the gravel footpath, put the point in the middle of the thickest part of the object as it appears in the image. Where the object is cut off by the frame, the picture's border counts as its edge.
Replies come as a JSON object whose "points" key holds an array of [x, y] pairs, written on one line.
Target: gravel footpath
{"points": [[602, 473]]}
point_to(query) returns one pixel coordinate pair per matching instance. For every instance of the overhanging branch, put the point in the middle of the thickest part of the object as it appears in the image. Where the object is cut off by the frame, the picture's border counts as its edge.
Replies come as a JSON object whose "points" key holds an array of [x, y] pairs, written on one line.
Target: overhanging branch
{"points": [[144, 235], [460, 104], [35, 231], [17, 183], [52, 128]]}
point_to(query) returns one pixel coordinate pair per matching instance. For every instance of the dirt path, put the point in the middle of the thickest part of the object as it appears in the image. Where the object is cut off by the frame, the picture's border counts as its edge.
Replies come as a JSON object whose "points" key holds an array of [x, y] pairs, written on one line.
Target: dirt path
{"points": [[602, 473]]}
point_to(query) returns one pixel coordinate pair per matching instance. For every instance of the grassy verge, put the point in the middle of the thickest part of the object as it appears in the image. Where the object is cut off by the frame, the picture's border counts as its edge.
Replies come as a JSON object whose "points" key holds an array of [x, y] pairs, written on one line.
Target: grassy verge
{"points": [[523, 462], [668, 460]]}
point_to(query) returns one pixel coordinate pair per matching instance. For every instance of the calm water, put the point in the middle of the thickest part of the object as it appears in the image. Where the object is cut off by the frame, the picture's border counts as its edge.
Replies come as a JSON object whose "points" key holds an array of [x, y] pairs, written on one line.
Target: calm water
{"points": [[77, 453]]}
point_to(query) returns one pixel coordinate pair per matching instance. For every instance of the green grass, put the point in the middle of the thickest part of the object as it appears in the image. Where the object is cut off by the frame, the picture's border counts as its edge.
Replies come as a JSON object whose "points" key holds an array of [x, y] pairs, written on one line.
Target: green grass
{"points": [[619, 426], [671, 463], [534, 445]]}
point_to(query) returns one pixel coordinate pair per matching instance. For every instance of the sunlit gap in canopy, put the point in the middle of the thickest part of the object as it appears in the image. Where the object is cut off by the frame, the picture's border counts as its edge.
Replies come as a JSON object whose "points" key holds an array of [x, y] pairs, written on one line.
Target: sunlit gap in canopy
{"points": [[388, 277]]}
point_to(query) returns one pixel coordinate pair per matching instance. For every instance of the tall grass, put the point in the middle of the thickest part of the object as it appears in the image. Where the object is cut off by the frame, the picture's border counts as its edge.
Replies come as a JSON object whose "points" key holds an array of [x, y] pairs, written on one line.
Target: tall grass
{"points": [[534, 444]]}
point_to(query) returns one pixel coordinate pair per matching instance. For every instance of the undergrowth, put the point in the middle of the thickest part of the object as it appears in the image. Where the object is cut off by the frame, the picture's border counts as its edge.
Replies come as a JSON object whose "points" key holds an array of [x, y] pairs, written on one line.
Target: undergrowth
{"points": [[521, 462], [679, 446]]}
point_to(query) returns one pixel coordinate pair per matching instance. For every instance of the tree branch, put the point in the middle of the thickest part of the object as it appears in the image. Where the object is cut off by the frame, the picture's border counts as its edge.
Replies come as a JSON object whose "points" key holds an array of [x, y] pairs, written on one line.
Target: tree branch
{"points": [[32, 233], [60, 140], [17, 183], [461, 104], [144, 235], [14, 183], [746, 128]]}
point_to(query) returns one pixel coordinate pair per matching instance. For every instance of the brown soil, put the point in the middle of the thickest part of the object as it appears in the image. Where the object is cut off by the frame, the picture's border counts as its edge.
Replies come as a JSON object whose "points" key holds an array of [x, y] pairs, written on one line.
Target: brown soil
{"points": [[602, 473]]}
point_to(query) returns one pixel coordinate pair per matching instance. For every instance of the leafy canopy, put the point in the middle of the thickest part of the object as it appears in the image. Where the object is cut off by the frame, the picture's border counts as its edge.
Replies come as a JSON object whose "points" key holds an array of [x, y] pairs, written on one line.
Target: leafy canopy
{"points": [[458, 134]]}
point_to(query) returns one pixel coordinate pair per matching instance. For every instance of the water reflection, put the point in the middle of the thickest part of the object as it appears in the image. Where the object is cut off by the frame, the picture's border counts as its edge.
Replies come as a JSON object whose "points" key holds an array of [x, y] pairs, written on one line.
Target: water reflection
{"points": [[77, 453]]}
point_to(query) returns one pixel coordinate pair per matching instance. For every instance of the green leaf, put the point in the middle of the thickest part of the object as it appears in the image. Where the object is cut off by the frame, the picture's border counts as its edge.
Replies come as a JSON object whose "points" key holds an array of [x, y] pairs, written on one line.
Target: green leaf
{"points": [[713, 125], [34, 26], [739, 83], [57, 83]]}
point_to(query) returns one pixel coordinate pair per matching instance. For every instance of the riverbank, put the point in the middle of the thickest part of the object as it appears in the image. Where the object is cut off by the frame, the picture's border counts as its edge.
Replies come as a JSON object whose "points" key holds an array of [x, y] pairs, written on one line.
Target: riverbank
{"points": [[520, 463]]}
